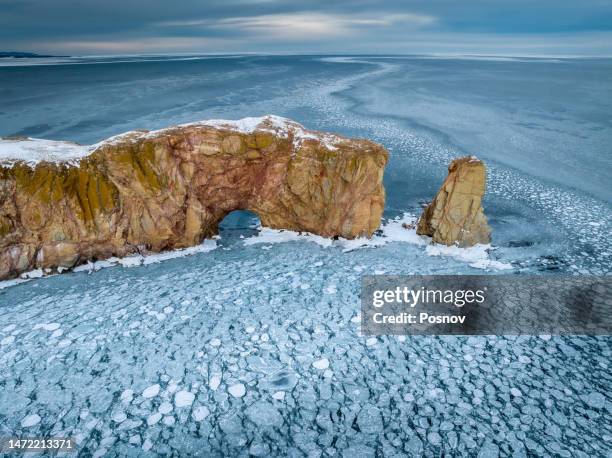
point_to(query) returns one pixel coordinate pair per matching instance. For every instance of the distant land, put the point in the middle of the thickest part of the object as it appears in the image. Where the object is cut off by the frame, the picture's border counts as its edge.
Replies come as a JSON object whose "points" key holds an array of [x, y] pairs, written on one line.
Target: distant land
{"points": [[23, 55]]}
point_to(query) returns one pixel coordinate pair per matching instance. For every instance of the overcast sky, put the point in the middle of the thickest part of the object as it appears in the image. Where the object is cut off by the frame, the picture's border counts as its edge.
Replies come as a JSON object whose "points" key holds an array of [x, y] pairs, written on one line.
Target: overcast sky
{"points": [[515, 27]]}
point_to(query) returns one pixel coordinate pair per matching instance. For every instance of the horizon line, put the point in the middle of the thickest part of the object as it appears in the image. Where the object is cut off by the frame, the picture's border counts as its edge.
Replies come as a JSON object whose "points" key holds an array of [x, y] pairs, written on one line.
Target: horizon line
{"points": [[291, 53]]}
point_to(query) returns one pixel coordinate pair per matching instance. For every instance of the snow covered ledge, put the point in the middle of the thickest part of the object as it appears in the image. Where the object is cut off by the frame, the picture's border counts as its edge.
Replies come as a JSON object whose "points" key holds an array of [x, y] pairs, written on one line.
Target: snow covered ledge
{"points": [[35, 150], [63, 204]]}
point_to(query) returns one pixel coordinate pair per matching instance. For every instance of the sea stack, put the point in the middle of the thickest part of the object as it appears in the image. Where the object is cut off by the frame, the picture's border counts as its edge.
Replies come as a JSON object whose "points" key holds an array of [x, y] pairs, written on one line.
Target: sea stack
{"points": [[63, 204], [455, 216]]}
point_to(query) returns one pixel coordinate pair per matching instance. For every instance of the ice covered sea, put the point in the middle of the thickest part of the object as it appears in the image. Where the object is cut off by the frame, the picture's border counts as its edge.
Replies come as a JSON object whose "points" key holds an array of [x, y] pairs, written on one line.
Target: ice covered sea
{"points": [[255, 347]]}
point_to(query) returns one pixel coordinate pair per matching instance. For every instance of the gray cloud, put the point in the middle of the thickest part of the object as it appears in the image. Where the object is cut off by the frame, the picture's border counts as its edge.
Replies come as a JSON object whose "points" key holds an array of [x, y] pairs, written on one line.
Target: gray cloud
{"points": [[303, 25], [400, 26]]}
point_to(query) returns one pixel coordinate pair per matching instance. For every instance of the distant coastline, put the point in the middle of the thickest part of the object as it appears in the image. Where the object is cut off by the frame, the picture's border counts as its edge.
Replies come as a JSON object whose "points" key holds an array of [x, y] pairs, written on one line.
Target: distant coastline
{"points": [[24, 55]]}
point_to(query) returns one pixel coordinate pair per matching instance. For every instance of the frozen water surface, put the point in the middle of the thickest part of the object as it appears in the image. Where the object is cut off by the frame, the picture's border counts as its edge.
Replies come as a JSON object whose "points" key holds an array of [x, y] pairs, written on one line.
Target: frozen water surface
{"points": [[251, 344], [127, 374]]}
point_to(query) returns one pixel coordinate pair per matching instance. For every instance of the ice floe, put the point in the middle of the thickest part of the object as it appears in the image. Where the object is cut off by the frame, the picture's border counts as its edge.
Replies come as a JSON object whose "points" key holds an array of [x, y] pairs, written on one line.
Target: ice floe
{"points": [[238, 390], [30, 420], [165, 408], [595, 400], [184, 398], [515, 392], [370, 342], [264, 414], [151, 391], [127, 396], [119, 417], [147, 444], [215, 342], [7, 340], [47, 326], [214, 381], [200, 413], [154, 418]]}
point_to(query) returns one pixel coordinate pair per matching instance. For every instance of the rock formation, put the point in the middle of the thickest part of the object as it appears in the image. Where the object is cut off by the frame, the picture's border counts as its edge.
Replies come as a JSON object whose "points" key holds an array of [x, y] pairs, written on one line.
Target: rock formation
{"points": [[62, 204], [455, 216]]}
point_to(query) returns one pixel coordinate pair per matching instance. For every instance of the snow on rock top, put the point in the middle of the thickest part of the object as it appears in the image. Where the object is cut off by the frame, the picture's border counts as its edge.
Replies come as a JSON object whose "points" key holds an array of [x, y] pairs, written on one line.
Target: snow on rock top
{"points": [[275, 124], [35, 150]]}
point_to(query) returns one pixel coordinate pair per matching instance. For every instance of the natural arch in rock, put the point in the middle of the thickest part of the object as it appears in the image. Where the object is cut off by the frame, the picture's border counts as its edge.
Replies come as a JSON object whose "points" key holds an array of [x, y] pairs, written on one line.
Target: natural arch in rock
{"points": [[239, 221], [62, 204]]}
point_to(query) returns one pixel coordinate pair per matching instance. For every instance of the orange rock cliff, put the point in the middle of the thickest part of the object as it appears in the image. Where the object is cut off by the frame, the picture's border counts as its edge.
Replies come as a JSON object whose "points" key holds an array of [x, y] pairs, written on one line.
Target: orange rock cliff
{"points": [[63, 204], [455, 216]]}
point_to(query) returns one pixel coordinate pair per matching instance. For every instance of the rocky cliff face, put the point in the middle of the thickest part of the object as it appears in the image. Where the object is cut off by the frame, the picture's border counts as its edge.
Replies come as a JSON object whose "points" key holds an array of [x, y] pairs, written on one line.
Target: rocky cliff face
{"points": [[63, 204], [455, 216]]}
